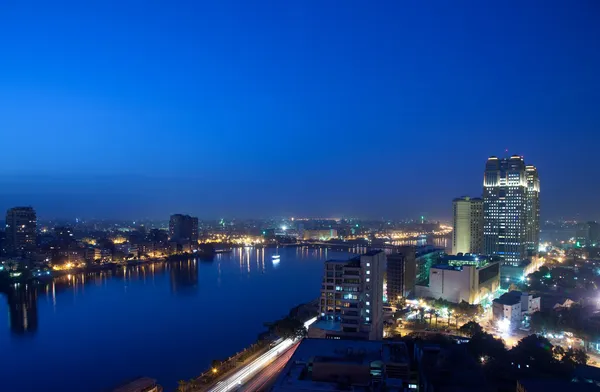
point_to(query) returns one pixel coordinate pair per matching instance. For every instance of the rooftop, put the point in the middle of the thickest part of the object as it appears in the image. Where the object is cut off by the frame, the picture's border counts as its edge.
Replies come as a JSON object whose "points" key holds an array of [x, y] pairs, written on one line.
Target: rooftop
{"points": [[327, 325], [296, 375], [372, 253], [510, 298]]}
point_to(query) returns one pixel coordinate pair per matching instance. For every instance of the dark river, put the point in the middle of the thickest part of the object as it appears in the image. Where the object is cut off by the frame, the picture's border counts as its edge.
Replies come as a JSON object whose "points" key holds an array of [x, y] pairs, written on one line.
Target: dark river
{"points": [[91, 332]]}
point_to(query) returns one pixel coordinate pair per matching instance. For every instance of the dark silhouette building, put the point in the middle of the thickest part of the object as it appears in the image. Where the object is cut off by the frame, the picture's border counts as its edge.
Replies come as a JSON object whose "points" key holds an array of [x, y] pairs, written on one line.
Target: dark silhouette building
{"points": [[21, 225], [401, 273], [183, 228]]}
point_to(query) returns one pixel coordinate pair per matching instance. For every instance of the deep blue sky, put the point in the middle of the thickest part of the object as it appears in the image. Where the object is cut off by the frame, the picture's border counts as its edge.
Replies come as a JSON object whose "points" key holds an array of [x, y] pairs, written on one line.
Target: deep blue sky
{"points": [[254, 108]]}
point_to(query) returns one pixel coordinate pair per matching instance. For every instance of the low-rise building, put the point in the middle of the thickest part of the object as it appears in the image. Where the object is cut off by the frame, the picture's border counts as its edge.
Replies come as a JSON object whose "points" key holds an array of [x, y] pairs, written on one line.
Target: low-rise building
{"points": [[511, 308], [466, 278], [320, 235], [334, 365]]}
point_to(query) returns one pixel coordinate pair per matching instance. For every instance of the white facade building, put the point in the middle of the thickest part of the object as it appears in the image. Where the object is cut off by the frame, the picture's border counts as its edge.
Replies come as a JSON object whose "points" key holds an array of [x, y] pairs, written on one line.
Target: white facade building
{"points": [[513, 306]]}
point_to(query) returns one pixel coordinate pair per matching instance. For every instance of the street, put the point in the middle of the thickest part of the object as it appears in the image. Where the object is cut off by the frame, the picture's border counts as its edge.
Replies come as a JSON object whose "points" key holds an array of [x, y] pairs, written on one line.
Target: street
{"points": [[245, 374], [268, 375]]}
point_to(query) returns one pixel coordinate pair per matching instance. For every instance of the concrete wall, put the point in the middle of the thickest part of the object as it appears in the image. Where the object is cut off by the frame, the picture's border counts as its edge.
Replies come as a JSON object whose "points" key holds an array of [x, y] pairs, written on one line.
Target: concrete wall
{"points": [[511, 312], [451, 285]]}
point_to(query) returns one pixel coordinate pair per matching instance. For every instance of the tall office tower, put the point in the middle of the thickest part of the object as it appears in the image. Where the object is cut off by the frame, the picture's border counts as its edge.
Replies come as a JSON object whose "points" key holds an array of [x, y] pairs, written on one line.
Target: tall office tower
{"points": [[183, 228], [352, 298], [21, 225], [533, 208], [467, 236], [506, 199], [401, 273]]}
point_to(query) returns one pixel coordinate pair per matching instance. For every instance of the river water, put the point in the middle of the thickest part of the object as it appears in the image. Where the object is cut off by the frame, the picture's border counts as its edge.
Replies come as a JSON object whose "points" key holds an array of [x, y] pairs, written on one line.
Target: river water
{"points": [[91, 332]]}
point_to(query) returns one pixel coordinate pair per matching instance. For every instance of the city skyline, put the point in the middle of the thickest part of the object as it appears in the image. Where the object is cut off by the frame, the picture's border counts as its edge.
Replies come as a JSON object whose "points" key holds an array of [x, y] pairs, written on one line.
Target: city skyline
{"points": [[231, 110]]}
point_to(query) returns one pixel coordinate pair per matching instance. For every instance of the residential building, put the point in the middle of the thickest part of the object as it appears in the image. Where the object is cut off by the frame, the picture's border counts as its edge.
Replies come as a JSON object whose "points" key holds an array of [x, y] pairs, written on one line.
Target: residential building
{"points": [[21, 226], [353, 365], [513, 306], [352, 298], [467, 234], [183, 228], [507, 206], [532, 230], [448, 368], [472, 279], [401, 273]]}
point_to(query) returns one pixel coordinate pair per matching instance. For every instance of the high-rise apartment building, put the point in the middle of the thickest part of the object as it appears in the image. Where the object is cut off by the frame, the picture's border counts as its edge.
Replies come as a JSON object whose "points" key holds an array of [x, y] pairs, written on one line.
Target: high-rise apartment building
{"points": [[467, 235], [21, 225], [183, 228], [401, 273], [508, 204], [533, 209], [352, 298]]}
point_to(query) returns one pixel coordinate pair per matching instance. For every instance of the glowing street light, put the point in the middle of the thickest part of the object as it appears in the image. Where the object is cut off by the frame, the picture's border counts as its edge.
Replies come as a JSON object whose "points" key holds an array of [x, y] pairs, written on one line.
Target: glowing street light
{"points": [[504, 325]]}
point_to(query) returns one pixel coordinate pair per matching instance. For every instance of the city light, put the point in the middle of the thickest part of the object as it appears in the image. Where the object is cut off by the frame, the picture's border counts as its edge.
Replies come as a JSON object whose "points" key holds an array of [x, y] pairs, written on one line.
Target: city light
{"points": [[504, 326]]}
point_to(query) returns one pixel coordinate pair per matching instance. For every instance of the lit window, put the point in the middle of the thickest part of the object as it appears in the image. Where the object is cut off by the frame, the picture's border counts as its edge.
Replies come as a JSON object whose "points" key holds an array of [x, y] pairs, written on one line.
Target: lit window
{"points": [[368, 303], [368, 272], [368, 264]]}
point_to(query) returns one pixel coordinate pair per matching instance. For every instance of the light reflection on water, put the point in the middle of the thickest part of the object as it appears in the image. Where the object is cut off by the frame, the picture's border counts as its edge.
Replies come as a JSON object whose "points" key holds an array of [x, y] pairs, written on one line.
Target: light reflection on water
{"points": [[163, 320]]}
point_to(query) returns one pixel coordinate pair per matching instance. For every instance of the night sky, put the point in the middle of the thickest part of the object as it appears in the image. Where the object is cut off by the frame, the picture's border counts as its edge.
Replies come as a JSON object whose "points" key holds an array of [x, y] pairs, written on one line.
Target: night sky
{"points": [[138, 108]]}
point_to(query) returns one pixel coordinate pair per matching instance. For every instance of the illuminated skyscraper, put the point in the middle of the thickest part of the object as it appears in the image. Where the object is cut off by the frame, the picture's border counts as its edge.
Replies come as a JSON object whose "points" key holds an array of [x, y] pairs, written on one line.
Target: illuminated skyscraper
{"points": [[510, 209], [21, 225], [467, 234], [533, 208]]}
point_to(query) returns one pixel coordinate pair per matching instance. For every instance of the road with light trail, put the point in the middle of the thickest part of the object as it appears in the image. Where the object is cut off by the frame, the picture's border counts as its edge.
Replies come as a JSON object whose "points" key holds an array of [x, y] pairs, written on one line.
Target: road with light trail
{"points": [[268, 375], [246, 373]]}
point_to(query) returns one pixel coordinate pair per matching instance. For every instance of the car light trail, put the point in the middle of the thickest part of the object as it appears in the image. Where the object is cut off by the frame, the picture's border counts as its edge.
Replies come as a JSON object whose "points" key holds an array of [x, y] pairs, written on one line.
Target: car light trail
{"points": [[238, 378]]}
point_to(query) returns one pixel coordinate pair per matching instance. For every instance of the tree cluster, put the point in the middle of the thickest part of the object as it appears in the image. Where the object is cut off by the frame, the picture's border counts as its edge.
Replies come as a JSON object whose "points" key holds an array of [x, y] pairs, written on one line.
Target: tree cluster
{"points": [[572, 319], [289, 328], [533, 357]]}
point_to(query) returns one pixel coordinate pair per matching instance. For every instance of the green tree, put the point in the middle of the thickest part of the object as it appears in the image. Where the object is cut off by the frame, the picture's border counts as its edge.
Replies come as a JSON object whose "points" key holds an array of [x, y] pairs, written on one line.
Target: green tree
{"points": [[544, 321], [289, 328], [485, 345], [533, 356], [573, 357], [471, 328]]}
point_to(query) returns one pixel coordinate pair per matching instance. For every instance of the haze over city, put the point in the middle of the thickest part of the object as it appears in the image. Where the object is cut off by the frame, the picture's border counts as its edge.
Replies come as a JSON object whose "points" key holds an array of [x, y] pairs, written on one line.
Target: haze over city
{"points": [[284, 196], [251, 109]]}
